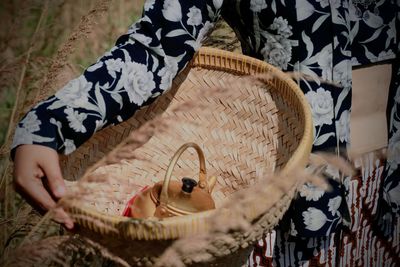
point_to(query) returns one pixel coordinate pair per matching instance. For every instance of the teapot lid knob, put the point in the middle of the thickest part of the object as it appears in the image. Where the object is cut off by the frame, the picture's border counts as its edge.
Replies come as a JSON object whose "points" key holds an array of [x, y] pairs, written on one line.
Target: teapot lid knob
{"points": [[188, 184]]}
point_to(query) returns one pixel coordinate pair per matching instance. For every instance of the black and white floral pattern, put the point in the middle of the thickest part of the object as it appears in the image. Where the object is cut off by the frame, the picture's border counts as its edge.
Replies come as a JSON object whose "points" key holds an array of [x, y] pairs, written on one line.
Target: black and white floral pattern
{"points": [[141, 66], [278, 47], [320, 38]]}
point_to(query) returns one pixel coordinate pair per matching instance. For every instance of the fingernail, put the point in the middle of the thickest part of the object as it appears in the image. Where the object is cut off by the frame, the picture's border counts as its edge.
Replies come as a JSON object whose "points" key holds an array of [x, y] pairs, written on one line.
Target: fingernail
{"points": [[69, 225], [60, 191]]}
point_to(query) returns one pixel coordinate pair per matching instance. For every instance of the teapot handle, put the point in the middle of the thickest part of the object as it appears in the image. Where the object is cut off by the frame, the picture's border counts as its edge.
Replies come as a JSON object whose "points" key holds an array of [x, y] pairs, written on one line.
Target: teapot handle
{"points": [[203, 183]]}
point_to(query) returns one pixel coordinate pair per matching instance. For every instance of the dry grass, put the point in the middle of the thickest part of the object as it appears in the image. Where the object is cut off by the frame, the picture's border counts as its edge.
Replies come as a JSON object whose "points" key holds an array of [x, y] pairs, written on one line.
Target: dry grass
{"points": [[43, 43], [224, 236]]}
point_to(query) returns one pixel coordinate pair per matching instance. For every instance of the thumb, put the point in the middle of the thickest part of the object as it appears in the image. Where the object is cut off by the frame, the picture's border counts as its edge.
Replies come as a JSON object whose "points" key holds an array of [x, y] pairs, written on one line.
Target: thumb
{"points": [[51, 168]]}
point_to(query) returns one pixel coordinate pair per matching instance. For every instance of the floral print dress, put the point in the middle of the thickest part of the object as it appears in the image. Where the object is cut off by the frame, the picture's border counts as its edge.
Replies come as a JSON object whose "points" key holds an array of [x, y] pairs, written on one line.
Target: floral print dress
{"points": [[323, 39]]}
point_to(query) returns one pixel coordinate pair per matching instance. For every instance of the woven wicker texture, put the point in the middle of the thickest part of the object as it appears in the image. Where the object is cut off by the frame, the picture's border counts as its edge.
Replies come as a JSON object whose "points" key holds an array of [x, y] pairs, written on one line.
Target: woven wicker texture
{"points": [[246, 131]]}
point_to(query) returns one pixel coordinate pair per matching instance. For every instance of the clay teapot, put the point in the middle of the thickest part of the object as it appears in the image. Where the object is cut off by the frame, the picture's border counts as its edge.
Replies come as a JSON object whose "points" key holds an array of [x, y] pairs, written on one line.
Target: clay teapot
{"points": [[174, 198]]}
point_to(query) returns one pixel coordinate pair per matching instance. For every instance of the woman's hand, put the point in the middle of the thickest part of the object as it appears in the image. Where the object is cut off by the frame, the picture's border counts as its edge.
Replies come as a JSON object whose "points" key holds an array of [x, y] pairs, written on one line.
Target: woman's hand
{"points": [[37, 176]]}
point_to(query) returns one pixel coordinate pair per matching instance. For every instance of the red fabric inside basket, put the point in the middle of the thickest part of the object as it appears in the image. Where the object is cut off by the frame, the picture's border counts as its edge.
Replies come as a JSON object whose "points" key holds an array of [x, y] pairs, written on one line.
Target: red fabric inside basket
{"points": [[127, 210]]}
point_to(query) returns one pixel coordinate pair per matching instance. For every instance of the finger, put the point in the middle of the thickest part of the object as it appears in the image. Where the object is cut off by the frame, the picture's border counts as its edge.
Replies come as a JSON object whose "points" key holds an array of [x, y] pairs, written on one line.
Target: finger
{"points": [[51, 168], [37, 193], [60, 216]]}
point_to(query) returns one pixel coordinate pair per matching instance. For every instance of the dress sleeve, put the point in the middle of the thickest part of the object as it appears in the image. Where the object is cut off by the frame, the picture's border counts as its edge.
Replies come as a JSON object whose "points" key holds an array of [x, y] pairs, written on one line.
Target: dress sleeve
{"points": [[136, 70]]}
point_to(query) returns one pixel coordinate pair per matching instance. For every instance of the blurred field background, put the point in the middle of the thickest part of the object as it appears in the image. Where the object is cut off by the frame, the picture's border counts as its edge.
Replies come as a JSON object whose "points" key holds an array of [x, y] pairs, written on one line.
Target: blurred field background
{"points": [[43, 44]]}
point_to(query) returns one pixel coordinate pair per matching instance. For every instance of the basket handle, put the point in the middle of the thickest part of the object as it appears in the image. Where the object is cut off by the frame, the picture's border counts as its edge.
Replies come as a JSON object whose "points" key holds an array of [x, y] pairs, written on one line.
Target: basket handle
{"points": [[203, 183]]}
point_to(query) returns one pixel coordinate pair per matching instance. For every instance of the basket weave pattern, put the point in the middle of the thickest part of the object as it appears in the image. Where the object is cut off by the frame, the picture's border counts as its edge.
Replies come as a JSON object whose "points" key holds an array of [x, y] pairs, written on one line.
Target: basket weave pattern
{"points": [[246, 131]]}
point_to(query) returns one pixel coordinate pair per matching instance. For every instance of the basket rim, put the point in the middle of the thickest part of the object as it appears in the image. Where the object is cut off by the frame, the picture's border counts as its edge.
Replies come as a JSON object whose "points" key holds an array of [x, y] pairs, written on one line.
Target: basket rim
{"points": [[180, 226]]}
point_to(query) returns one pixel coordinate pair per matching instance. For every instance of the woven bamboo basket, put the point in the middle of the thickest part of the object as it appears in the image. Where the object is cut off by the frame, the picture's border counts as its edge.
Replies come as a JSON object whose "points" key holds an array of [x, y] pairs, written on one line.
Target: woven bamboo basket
{"points": [[253, 130]]}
